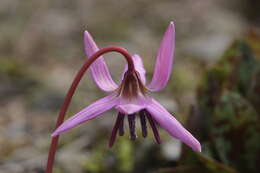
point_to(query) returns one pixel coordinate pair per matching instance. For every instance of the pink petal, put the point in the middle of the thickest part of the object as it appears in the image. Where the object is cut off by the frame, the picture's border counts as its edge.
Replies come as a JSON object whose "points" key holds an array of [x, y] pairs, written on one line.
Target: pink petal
{"points": [[88, 113], [139, 67], [99, 69], [170, 124], [164, 60], [131, 106]]}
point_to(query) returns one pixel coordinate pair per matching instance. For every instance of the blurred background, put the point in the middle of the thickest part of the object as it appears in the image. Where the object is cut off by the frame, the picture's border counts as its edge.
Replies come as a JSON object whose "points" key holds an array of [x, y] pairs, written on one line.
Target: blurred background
{"points": [[214, 88]]}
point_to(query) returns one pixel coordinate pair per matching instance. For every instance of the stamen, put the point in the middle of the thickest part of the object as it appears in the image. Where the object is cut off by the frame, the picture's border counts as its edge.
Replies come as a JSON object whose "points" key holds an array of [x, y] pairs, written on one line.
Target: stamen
{"points": [[119, 121], [121, 125], [153, 126], [131, 121], [143, 123]]}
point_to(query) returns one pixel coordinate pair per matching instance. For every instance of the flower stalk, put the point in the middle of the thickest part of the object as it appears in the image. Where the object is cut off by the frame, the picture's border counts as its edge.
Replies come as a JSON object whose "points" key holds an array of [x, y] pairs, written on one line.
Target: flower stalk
{"points": [[72, 89]]}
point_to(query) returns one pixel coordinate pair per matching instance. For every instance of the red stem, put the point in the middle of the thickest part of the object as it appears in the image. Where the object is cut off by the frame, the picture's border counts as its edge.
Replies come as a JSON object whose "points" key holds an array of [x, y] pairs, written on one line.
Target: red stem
{"points": [[70, 93]]}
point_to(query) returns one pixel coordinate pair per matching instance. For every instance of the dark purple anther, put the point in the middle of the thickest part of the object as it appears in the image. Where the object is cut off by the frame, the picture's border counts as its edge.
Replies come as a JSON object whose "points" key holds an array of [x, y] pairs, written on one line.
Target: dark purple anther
{"points": [[131, 121], [143, 123], [119, 121], [121, 125], [153, 126]]}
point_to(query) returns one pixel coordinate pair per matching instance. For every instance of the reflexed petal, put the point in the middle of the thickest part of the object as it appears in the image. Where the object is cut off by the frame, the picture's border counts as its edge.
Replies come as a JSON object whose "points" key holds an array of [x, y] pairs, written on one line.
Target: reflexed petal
{"points": [[170, 124], [138, 67], [163, 66], [131, 106], [99, 69], [88, 113]]}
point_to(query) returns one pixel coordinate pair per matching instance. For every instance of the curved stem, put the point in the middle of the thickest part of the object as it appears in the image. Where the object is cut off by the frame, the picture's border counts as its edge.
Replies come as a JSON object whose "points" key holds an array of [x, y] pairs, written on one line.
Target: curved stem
{"points": [[70, 93]]}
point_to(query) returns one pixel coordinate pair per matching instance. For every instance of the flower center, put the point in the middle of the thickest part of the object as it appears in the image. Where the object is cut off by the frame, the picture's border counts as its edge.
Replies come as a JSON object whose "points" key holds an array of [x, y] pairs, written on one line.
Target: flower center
{"points": [[131, 85]]}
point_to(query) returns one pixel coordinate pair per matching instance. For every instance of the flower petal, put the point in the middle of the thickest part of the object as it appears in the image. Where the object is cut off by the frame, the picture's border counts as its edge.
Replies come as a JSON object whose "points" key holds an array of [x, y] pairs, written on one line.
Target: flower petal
{"points": [[164, 60], [99, 69], [131, 106], [88, 113], [139, 66], [170, 124]]}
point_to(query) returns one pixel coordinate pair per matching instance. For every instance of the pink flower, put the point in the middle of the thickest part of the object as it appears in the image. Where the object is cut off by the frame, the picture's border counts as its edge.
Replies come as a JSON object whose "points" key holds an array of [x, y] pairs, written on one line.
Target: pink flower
{"points": [[131, 97]]}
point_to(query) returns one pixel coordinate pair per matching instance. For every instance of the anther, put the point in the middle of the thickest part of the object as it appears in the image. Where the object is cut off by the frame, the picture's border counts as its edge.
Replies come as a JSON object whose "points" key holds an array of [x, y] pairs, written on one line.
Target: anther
{"points": [[143, 123], [119, 121], [153, 126], [131, 121], [121, 125]]}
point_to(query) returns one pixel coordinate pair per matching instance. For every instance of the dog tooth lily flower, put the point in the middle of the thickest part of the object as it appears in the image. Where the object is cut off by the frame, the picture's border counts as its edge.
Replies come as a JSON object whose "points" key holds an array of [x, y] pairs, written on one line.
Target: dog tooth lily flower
{"points": [[131, 97]]}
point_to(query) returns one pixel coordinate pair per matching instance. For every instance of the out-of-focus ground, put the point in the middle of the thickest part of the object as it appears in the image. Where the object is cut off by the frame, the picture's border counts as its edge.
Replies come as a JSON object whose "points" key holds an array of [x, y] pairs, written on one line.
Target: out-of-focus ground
{"points": [[41, 49]]}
